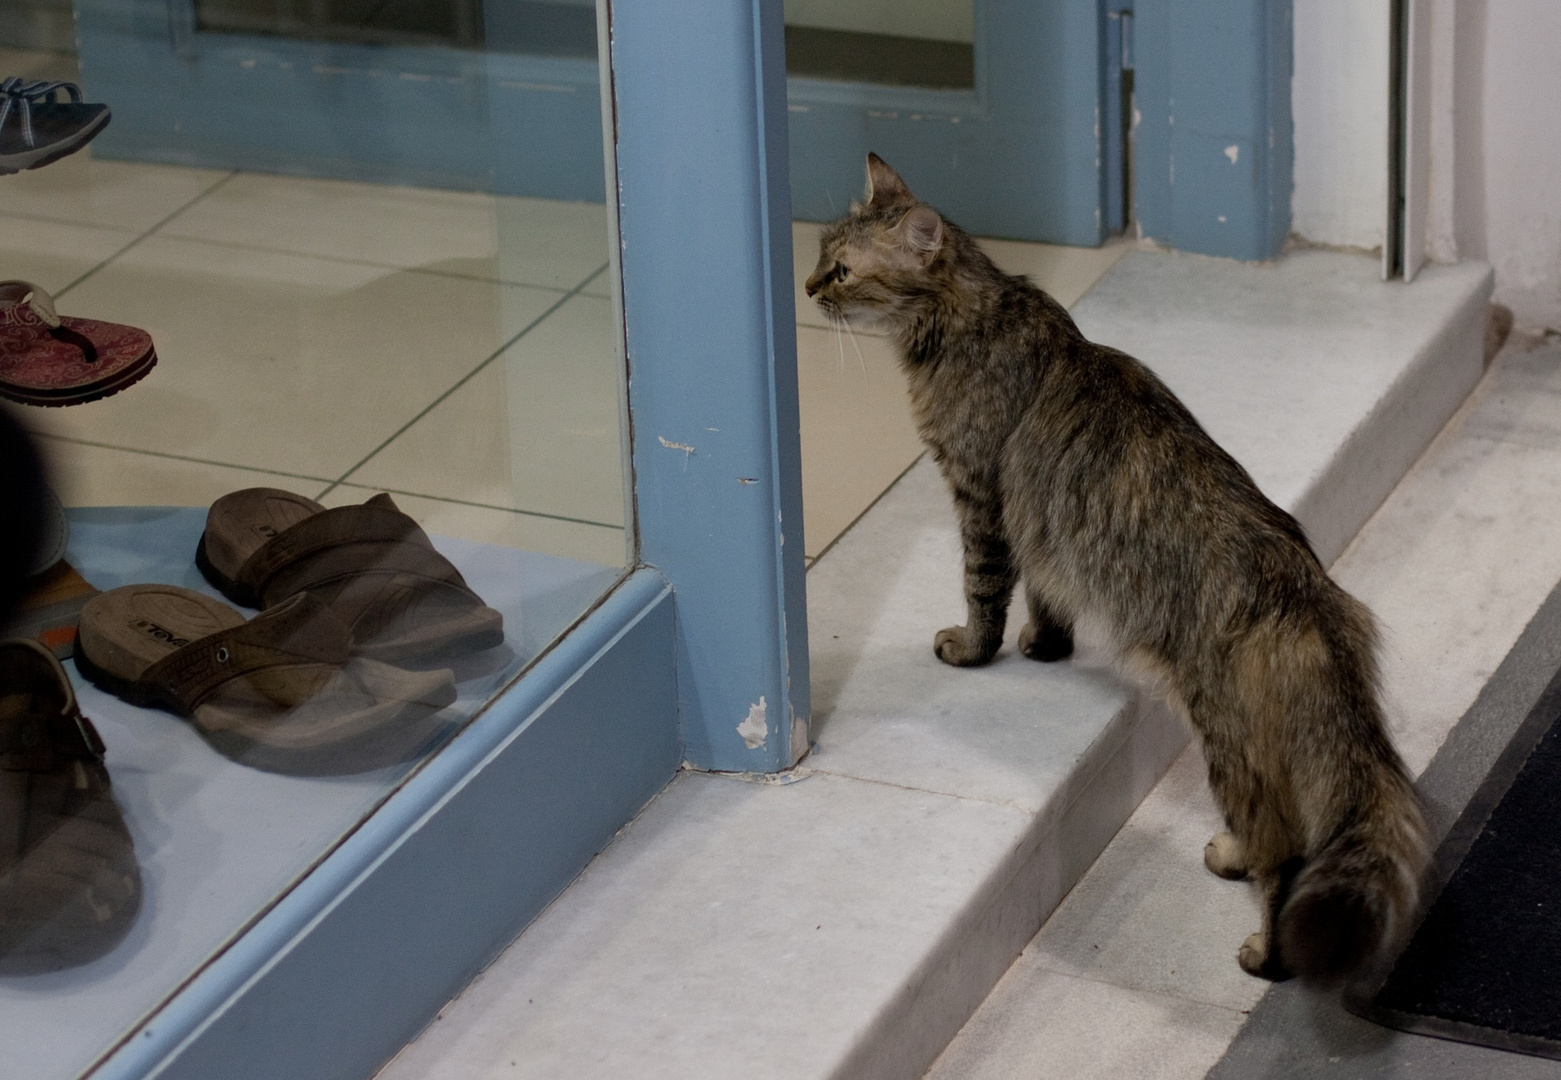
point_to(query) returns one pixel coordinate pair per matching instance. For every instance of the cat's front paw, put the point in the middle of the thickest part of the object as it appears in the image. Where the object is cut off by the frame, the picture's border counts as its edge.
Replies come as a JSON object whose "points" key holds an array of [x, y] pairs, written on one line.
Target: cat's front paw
{"points": [[956, 645], [1225, 857], [1047, 645]]}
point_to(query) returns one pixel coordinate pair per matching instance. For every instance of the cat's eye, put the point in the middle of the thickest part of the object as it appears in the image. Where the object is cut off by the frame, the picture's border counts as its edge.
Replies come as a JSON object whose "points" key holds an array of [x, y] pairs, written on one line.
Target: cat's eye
{"points": [[841, 270]]}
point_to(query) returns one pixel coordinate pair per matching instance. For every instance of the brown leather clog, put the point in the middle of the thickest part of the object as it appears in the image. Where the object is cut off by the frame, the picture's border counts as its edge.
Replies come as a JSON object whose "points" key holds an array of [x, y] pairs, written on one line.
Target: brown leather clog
{"points": [[372, 564]]}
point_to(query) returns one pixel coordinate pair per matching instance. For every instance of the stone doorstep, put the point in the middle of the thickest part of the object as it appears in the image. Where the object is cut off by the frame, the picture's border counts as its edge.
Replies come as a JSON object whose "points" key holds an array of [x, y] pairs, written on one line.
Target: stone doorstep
{"points": [[846, 924]]}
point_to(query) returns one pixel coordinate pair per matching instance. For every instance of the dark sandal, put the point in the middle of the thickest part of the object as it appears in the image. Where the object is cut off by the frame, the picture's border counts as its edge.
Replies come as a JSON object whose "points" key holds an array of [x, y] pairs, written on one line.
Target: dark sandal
{"points": [[69, 884], [37, 127], [49, 359], [371, 563], [281, 692]]}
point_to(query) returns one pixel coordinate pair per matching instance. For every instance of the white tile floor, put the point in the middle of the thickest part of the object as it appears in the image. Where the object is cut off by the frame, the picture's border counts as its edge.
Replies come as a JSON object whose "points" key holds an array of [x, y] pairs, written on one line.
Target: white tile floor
{"points": [[309, 332], [1134, 975]]}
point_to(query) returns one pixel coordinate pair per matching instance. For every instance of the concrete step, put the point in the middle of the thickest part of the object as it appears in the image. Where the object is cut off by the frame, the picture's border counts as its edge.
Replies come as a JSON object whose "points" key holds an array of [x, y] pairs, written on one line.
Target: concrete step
{"points": [[846, 921]]}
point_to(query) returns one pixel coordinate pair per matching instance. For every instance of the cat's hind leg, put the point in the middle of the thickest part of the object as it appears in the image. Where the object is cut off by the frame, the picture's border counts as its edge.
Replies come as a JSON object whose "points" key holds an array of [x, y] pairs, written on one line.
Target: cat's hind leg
{"points": [[1257, 844], [1235, 789], [1046, 637], [1259, 953]]}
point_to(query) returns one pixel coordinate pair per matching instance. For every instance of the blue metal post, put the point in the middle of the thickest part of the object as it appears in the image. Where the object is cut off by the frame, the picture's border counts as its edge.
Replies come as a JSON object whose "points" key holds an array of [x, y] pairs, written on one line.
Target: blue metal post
{"points": [[699, 98]]}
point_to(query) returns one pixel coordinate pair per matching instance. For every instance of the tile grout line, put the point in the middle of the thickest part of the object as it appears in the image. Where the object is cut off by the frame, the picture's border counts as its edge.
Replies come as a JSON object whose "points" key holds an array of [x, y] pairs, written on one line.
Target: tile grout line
{"points": [[235, 245], [322, 480], [61, 292], [1004, 804], [17, 215], [865, 510], [463, 380], [175, 457], [485, 506]]}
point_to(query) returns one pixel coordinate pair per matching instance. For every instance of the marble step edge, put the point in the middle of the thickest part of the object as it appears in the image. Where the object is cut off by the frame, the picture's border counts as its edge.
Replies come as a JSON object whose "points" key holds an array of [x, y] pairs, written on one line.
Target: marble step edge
{"points": [[1062, 841], [1377, 454]]}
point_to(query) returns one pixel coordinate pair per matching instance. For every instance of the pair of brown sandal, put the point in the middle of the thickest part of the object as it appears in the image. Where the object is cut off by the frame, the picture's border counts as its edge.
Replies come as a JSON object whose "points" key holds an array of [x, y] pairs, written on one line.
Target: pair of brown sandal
{"points": [[309, 685]]}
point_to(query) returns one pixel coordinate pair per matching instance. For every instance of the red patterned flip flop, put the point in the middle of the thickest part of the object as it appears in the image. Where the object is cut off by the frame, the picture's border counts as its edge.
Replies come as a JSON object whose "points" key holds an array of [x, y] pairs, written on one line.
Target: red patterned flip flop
{"points": [[49, 360]]}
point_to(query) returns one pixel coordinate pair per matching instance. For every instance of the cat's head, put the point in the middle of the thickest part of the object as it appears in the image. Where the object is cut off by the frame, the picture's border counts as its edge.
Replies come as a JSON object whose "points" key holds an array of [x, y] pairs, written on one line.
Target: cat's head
{"points": [[876, 261]]}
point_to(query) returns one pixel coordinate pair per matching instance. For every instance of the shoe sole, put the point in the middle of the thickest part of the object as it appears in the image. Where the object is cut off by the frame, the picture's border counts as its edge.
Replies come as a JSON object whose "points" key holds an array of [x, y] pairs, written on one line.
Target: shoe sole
{"points": [[83, 394], [37, 159]]}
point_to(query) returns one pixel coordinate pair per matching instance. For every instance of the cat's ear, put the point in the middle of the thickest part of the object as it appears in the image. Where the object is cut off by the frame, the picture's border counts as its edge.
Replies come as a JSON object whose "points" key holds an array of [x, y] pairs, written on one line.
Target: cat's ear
{"points": [[921, 232], [884, 186]]}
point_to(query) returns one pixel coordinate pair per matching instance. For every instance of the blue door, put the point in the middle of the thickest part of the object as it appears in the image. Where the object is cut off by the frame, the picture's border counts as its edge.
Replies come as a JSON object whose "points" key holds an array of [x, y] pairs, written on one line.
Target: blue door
{"points": [[389, 91], [1001, 130], [1007, 139]]}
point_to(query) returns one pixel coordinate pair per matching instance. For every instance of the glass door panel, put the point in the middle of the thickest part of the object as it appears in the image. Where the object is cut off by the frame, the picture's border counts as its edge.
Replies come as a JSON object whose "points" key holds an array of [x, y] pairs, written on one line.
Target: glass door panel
{"points": [[916, 43], [377, 328]]}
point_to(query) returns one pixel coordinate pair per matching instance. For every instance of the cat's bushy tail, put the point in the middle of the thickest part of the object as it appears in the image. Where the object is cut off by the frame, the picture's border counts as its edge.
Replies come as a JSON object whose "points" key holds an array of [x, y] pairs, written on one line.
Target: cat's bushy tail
{"points": [[1356, 898]]}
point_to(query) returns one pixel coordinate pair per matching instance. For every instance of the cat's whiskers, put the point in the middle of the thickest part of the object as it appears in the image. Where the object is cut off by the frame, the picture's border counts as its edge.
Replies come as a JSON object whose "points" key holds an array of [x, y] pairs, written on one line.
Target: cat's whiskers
{"points": [[860, 359]]}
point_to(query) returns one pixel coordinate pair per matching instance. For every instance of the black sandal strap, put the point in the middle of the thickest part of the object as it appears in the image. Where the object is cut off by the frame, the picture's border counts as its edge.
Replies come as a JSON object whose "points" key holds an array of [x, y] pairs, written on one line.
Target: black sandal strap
{"points": [[89, 351]]}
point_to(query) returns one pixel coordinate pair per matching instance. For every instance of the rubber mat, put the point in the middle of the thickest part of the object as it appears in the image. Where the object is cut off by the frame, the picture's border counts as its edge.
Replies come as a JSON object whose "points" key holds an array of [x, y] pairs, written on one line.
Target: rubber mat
{"points": [[1484, 966]]}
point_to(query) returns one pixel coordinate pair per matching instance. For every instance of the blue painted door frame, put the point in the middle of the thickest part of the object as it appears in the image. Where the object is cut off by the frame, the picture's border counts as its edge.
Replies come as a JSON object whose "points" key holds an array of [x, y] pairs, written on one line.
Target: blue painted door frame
{"points": [[1215, 147], [1116, 106], [705, 241]]}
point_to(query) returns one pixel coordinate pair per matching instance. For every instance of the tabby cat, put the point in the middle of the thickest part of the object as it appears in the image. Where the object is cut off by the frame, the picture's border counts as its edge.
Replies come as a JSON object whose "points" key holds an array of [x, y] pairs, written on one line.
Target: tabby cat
{"points": [[1076, 470]]}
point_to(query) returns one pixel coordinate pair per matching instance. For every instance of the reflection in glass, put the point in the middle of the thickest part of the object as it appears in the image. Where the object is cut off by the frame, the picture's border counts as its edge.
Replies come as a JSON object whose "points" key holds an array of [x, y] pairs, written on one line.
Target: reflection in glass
{"points": [[537, 27], [895, 42], [376, 469]]}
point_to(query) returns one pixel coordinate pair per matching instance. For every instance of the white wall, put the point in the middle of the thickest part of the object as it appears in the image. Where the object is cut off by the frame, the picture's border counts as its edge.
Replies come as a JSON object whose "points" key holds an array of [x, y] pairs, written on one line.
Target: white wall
{"points": [[1518, 136], [940, 20], [1339, 98], [1494, 190]]}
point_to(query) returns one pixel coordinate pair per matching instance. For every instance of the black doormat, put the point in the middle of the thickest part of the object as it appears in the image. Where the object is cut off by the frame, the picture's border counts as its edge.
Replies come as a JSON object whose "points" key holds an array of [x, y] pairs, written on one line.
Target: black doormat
{"points": [[1484, 966]]}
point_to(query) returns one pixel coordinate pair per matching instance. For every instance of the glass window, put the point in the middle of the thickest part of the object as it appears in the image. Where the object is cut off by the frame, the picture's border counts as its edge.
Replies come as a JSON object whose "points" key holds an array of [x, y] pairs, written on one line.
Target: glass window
{"points": [[318, 340], [535, 27], [896, 42]]}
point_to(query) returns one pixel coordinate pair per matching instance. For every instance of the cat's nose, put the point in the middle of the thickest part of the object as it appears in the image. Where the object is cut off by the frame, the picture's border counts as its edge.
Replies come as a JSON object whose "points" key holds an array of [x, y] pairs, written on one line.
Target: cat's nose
{"points": [[813, 285]]}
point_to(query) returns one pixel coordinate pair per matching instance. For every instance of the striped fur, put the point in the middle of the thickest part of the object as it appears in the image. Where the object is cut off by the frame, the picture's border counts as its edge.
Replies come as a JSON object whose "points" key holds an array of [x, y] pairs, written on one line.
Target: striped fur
{"points": [[1076, 471]]}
